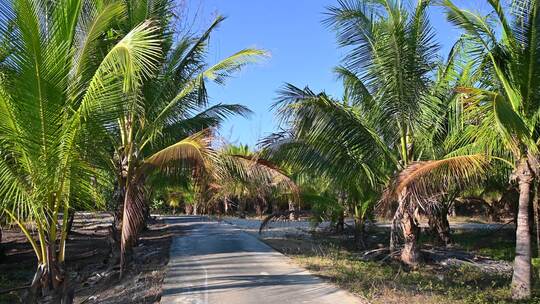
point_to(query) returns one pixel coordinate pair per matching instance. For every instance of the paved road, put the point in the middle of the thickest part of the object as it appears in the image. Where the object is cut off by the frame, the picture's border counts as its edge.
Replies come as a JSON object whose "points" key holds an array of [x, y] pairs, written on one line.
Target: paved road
{"points": [[214, 263]]}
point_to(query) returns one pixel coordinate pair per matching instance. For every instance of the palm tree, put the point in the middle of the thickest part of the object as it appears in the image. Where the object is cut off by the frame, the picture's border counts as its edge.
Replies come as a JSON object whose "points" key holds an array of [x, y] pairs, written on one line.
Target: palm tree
{"points": [[392, 55], [244, 176], [507, 109], [382, 135], [163, 128], [447, 123], [333, 140], [56, 86], [232, 187]]}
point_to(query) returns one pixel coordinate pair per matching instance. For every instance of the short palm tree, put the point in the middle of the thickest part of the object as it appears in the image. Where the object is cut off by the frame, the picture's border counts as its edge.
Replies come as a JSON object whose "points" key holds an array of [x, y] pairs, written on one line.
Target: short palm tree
{"points": [[507, 110], [244, 176], [333, 140], [56, 86]]}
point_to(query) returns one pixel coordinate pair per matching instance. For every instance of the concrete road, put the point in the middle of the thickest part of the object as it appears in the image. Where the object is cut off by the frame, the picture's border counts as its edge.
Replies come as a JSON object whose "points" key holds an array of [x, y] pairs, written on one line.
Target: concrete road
{"points": [[215, 263]]}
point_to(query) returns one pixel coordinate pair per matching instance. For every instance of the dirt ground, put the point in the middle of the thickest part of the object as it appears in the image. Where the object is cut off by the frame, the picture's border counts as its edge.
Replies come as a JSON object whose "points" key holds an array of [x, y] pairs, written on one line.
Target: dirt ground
{"points": [[87, 252], [476, 269]]}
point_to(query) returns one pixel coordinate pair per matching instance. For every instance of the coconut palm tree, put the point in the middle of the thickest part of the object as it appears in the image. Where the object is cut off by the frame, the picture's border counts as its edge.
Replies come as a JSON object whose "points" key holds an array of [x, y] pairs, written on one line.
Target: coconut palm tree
{"points": [[243, 176], [333, 140], [382, 135], [443, 136], [508, 108], [386, 72], [56, 86], [164, 128]]}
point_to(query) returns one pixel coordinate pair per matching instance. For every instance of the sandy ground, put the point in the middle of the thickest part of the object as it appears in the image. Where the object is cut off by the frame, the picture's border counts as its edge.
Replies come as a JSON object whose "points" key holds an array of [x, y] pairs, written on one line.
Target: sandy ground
{"points": [[87, 252], [303, 228]]}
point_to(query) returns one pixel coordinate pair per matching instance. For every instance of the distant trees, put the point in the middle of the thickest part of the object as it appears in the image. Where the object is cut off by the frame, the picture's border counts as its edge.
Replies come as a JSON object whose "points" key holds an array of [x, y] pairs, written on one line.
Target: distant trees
{"points": [[245, 178], [236, 181]]}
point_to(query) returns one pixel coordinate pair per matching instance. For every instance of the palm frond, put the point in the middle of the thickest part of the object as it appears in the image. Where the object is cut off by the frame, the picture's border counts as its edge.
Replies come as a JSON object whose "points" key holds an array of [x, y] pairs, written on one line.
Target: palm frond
{"points": [[424, 182], [193, 150]]}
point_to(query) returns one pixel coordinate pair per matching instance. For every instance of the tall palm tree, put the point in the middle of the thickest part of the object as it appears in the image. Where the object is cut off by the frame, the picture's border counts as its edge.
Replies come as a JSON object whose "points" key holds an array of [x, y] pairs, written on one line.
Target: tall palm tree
{"points": [[448, 121], [56, 86], [393, 54], [507, 110], [162, 128]]}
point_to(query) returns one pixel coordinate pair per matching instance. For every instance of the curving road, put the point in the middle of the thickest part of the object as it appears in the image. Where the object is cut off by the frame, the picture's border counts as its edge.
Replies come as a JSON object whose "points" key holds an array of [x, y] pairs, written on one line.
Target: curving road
{"points": [[215, 263]]}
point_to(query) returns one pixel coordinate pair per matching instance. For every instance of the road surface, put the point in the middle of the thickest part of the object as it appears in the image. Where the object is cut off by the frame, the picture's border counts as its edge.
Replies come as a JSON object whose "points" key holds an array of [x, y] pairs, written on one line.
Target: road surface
{"points": [[215, 263]]}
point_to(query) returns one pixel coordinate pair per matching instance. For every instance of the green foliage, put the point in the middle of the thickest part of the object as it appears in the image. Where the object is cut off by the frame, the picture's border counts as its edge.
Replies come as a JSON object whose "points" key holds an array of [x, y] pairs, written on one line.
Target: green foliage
{"points": [[499, 246], [54, 100], [157, 204], [164, 129]]}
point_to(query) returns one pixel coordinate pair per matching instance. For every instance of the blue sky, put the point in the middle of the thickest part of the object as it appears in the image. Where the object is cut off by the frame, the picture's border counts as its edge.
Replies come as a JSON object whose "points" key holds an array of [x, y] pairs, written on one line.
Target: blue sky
{"points": [[303, 52]]}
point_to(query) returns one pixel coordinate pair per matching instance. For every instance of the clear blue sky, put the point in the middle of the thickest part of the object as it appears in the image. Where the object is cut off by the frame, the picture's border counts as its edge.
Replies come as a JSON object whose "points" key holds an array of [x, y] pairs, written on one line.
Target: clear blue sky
{"points": [[303, 52]]}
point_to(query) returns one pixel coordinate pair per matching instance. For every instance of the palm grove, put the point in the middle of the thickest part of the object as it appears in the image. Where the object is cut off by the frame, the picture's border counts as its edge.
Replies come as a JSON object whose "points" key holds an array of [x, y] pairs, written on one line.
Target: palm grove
{"points": [[413, 130], [103, 103]]}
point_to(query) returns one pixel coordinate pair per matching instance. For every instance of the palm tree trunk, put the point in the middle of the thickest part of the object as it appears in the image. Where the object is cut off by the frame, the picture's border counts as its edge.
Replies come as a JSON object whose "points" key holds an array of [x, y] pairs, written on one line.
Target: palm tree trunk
{"points": [[188, 209], [394, 238], [439, 225], [242, 205], [293, 216], [340, 225], [521, 279], [537, 217], [411, 252], [359, 235], [133, 219], [259, 208], [51, 280], [226, 206], [359, 228]]}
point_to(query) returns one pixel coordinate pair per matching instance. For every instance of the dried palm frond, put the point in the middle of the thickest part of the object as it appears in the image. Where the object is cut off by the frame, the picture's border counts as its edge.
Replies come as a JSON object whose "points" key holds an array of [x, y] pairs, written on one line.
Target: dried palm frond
{"points": [[252, 172], [424, 182], [279, 215]]}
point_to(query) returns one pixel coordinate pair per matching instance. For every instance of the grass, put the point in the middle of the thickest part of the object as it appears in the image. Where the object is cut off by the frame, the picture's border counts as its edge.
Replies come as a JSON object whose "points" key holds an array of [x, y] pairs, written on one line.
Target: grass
{"points": [[499, 245], [380, 283], [391, 282]]}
